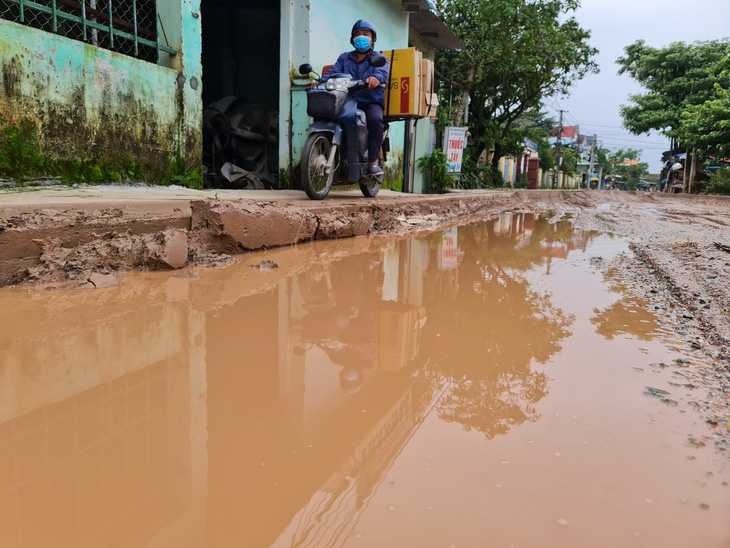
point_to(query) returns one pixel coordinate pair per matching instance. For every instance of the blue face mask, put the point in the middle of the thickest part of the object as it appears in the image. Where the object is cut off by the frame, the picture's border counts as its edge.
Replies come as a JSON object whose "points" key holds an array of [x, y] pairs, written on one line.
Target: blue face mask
{"points": [[362, 43]]}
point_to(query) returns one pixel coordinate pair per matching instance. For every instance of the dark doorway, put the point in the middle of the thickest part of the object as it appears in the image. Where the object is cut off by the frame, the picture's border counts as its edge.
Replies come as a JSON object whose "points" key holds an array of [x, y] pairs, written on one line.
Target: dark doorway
{"points": [[241, 92]]}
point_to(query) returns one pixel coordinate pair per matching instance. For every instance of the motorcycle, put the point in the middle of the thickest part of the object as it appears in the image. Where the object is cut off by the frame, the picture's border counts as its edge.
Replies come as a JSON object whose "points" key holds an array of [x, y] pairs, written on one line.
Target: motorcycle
{"points": [[338, 126]]}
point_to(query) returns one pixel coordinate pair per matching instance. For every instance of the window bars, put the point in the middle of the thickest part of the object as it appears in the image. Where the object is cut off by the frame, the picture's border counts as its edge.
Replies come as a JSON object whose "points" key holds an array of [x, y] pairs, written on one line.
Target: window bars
{"points": [[125, 26]]}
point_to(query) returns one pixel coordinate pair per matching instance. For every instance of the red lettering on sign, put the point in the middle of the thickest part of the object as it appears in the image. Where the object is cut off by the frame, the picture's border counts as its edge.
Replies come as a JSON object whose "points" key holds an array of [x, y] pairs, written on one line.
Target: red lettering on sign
{"points": [[405, 93]]}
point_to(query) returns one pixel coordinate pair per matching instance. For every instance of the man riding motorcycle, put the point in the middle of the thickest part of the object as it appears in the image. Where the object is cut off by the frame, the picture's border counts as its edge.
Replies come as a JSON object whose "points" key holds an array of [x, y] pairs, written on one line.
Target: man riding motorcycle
{"points": [[372, 100]]}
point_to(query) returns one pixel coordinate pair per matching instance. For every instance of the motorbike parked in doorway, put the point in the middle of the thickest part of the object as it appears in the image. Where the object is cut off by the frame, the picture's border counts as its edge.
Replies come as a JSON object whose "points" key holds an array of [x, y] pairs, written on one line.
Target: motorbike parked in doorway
{"points": [[337, 144]]}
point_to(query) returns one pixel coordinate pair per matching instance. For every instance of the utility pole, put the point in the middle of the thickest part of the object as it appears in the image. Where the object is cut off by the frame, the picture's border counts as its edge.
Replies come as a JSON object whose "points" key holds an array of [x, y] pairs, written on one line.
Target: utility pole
{"points": [[557, 150], [592, 167]]}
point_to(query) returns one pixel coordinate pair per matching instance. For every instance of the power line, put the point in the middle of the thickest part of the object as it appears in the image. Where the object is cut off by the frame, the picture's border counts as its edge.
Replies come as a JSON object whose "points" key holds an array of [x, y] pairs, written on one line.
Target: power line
{"points": [[603, 125], [645, 143]]}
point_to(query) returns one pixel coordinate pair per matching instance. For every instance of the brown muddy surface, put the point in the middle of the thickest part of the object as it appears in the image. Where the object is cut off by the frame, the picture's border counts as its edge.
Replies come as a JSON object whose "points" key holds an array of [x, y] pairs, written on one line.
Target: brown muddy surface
{"points": [[550, 381]]}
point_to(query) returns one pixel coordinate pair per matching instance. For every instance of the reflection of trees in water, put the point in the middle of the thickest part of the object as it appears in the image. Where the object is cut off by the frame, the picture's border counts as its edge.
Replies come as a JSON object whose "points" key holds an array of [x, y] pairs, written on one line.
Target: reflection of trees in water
{"points": [[491, 332], [627, 317], [494, 405]]}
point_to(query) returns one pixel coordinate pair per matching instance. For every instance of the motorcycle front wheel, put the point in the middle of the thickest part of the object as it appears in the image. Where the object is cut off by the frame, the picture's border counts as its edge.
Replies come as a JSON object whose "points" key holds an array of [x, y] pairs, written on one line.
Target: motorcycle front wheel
{"points": [[318, 165]]}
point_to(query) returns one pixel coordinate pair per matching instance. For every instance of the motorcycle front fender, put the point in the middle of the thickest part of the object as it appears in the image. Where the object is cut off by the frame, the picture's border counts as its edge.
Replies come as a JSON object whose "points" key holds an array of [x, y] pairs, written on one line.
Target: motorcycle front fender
{"points": [[330, 126]]}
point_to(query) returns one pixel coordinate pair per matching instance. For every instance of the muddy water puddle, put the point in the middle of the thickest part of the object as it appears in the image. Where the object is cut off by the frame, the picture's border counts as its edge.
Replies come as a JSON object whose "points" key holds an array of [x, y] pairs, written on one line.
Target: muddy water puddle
{"points": [[482, 386]]}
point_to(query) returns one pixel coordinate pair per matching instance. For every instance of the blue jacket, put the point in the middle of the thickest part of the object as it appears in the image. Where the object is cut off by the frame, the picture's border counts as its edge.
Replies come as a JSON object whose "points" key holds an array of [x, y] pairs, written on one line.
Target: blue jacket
{"points": [[347, 63]]}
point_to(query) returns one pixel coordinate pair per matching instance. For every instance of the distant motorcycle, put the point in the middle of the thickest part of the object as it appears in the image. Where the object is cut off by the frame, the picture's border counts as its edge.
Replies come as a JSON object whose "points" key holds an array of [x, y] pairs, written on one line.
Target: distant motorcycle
{"points": [[338, 125]]}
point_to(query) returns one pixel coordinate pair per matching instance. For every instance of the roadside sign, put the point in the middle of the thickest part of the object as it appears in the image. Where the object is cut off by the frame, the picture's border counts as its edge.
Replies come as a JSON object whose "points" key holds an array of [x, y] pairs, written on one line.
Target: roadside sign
{"points": [[454, 143]]}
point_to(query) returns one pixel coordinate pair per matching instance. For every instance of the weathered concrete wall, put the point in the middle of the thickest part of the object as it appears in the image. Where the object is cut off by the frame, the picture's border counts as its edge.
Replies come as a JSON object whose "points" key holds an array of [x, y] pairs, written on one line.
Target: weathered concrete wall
{"points": [[93, 105]]}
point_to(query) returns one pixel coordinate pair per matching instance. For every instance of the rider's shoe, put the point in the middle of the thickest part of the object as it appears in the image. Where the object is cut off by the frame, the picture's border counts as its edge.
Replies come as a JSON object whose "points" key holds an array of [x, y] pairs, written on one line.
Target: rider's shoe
{"points": [[375, 170]]}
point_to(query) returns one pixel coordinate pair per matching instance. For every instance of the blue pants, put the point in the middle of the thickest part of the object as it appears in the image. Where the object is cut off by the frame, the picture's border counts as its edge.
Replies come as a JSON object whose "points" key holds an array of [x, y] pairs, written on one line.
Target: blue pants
{"points": [[374, 115]]}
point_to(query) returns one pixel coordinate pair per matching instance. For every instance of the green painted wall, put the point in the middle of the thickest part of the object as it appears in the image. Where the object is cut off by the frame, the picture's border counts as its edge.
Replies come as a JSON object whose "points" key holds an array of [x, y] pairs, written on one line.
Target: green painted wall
{"points": [[94, 106]]}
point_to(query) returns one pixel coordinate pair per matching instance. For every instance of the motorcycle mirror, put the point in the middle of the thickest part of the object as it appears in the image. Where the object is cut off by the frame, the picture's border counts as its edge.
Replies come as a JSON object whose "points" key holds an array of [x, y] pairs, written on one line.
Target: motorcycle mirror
{"points": [[305, 69], [377, 60]]}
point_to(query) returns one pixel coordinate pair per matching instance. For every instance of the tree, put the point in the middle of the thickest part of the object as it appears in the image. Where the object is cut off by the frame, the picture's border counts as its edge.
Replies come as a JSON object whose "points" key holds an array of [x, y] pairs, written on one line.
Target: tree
{"points": [[517, 52], [707, 125], [675, 78], [624, 164]]}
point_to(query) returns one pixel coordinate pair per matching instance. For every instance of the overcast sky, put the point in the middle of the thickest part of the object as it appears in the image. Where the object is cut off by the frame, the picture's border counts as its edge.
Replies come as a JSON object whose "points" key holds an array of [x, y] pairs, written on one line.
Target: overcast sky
{"points": [[594, 102]]}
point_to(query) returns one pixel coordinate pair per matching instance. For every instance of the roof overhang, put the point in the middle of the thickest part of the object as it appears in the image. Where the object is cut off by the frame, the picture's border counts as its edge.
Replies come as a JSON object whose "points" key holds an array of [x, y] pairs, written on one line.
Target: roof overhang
{"points": [[430, 27]]}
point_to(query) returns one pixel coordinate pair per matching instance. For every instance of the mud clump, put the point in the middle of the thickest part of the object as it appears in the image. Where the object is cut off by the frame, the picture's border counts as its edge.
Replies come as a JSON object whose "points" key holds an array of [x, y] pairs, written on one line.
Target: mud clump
{"points": [[109, 252], [247, 225]]}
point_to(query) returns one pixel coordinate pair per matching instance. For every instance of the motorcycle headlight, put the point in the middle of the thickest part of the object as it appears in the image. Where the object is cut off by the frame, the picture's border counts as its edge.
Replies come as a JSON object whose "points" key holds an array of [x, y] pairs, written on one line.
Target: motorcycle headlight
{"points": [[339, 84]]}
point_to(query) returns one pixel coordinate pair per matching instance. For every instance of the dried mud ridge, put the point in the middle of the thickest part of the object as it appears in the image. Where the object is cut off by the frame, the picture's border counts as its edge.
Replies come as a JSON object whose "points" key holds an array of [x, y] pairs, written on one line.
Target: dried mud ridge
{"points": [[51, 246]]}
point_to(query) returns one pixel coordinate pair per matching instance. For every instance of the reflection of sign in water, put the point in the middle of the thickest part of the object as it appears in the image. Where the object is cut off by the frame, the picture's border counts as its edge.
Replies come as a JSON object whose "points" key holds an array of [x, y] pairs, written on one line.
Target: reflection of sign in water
{"points": [[454, 143], [449, 251]]}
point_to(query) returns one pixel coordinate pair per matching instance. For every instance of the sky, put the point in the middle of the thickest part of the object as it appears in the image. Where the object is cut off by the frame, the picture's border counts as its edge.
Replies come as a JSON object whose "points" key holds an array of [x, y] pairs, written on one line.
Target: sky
{"points": [[594, 101]]}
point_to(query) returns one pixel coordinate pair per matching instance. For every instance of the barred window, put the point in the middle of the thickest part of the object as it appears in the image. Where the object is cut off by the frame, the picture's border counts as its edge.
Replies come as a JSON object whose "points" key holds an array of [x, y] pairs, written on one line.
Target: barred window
{"points": [[125, 26]]}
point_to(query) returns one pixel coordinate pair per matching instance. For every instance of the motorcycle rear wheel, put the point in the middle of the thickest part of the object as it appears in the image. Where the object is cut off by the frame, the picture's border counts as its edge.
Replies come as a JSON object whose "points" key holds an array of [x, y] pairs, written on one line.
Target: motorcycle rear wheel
{"points": [[371, 184], [317, 173]]}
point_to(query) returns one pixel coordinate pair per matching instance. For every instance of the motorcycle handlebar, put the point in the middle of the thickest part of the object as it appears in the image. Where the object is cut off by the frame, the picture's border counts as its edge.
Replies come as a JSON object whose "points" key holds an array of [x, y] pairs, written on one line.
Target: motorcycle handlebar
{"points": [[357, 85], [360, 84]]}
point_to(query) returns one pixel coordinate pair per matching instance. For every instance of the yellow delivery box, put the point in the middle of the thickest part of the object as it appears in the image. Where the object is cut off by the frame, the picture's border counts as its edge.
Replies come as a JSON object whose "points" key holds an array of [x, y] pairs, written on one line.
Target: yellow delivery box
{"points": [[403, 89], [429, 89]]}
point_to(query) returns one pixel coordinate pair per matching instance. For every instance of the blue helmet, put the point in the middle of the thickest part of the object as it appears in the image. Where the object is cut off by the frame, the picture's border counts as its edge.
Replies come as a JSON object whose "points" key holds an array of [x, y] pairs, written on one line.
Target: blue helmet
{"points": [[362, 24]]}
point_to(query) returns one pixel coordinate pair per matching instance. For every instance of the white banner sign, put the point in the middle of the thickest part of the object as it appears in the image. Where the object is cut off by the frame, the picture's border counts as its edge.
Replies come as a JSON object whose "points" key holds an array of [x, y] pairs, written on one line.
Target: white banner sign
{"points": [[454, 144]]}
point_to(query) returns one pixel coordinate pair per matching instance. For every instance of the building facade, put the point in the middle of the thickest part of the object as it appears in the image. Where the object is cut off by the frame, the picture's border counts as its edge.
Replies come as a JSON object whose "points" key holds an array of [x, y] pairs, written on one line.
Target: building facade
{"points": [[130, 89]]}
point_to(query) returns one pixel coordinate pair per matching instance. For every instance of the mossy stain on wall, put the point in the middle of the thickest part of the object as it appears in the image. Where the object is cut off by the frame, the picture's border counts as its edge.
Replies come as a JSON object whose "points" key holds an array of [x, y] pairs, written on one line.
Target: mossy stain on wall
{"points": [[94, 109]]}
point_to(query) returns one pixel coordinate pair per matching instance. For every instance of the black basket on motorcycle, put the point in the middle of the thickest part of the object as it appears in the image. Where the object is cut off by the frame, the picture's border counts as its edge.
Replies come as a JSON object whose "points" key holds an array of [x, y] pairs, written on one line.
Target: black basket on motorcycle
{"points": [[325, 104]]}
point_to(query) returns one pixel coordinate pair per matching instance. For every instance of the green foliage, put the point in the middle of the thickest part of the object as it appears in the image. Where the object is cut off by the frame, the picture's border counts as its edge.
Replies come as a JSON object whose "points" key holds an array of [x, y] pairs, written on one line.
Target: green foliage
{"points": [[283, 178], [21, 159], [522, 181], [477, 175], [546, 152], [707, 125], [517, 52], [630, 174], [190, 179], [675, 78], [602, 157], [92, 172], [493, 178], [436, 166], [19, 155], [719, 181], [182, 174], [570, 158], [394, 184], [472, 174]]}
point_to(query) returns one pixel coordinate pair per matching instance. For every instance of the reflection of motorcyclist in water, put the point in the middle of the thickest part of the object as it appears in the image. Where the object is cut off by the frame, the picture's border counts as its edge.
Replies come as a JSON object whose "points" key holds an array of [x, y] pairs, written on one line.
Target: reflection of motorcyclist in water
{"points": [[345, 325]]}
